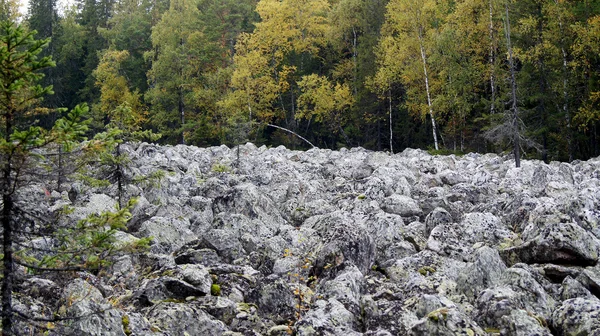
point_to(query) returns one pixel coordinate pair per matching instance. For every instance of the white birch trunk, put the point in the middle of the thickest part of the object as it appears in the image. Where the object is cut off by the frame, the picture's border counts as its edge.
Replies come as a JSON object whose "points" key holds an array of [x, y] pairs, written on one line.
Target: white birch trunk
{"points": [[429, 104]]}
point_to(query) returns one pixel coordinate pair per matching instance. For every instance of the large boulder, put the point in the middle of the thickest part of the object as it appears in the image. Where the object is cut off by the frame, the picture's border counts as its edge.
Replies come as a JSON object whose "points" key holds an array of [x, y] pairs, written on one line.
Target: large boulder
{"points": [[184, 319], [577, 316], [562, 243]]}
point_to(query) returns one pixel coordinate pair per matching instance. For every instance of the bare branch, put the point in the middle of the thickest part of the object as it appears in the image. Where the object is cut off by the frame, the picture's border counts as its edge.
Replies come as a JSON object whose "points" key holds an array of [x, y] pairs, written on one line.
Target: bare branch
{"points": [[292, 132]]}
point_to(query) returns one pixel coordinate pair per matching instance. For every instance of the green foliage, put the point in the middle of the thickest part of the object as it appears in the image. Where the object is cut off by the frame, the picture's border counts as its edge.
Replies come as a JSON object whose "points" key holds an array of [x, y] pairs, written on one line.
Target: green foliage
{"points": [[152, 180], [27, 152], [181, 55], [119, 106], [444, 151], [340, 73], [220, 168], [426, 270], [125, 321], [21, 66], [9, 10], [322, 100], [438, 315], [215, 289]]}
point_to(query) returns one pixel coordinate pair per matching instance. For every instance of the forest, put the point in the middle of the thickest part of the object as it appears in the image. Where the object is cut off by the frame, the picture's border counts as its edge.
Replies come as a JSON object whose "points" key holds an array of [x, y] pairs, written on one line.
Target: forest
{"points": [[450, 76]]}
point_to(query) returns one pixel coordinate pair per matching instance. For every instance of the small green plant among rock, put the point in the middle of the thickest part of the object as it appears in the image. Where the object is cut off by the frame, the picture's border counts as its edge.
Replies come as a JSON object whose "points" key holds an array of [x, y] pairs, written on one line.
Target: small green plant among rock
{"points": [[221, 168], [125, 322], [215, 290], [426, 270], [302, 290], [438, 314]]}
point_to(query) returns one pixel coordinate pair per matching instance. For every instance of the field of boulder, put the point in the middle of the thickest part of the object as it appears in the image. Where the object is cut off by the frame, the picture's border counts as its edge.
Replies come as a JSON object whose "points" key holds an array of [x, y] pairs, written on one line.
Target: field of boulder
{"points": [[270, 241]]}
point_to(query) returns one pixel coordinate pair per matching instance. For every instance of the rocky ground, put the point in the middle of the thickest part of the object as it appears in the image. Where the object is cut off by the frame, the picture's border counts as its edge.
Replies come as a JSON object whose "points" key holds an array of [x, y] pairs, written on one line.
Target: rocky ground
{"points": [[348, 242]]}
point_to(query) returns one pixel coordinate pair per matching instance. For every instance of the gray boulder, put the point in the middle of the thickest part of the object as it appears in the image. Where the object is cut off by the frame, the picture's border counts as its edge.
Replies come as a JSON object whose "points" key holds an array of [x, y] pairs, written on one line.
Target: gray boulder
{"points": [[184, 319], [577, 316], [327, 317], [401, 205], [563, 243], [484, 273]]}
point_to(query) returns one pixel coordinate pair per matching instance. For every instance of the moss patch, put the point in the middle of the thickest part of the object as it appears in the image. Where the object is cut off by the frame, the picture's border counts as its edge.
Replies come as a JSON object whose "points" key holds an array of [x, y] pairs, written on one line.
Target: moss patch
{"points": [[215, 290]]}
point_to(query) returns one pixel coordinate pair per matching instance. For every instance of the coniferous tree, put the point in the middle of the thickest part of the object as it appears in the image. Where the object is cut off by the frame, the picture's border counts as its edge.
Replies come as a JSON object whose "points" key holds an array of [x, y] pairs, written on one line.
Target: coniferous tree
{"points": [[26, 152], [69, 40], [129, 29], [180, 57], [93, 16], [43, 18]]}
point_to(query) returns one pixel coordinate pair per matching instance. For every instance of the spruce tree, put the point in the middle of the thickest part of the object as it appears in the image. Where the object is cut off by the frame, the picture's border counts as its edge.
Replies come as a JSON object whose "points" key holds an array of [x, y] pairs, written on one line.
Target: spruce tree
{"points": [[27, 153]]}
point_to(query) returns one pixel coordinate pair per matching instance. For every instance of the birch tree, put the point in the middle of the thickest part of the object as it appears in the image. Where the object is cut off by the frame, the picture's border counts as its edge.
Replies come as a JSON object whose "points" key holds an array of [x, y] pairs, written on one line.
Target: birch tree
{"points": [[409, 28], [264, 77]]}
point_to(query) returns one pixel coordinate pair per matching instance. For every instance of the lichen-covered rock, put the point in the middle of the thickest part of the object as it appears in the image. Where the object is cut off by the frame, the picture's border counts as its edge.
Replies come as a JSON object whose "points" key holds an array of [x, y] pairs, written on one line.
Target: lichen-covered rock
{"points": [[577, 316], [563, 243], [344, 243], [401, 205], [393, 238], [590, 278], [168, 234], [572, 289], [346, 288], [91, 314], [267, 241], [456, 240], [96, 204], [516, 289], [446, 321], [451, 177], [327, 317], [437, 217], [484, 273], [276, 300], [386, 315], [522, 323], [196, 276], [182, 319]]}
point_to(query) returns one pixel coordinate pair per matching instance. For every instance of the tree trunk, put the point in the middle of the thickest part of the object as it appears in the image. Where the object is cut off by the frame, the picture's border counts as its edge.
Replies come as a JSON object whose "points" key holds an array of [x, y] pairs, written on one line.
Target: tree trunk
{"points": [[7, 282], [492, 61], [182, 116], [249, 104], [542, 83], [293, 133], [565, 74], [7, 236], [379, 133], [391, 125], [119, 173], [424, 59], [60, 173], [514, 108], [355, 61], [566, 105]]}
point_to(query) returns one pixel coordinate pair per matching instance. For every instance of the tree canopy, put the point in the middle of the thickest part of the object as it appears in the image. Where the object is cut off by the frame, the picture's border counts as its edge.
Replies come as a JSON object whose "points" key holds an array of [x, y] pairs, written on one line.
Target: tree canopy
{"points": [[381, 74]]}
